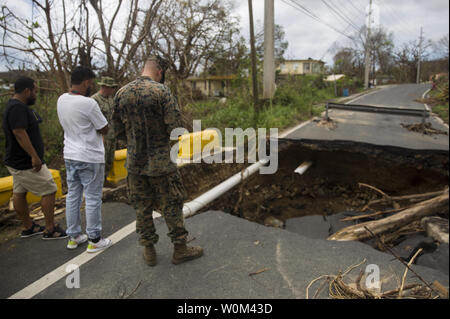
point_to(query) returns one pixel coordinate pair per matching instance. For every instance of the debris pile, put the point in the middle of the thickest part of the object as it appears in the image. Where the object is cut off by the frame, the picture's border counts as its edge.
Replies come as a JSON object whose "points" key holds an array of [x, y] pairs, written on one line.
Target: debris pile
{"points": [[423, 128], [341, 287], [329, 123]]}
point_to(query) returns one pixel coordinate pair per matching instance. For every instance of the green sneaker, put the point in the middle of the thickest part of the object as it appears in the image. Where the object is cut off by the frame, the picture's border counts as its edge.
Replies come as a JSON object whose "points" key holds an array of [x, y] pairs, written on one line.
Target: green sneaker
{"points": [[103, 243], [75, 241]]}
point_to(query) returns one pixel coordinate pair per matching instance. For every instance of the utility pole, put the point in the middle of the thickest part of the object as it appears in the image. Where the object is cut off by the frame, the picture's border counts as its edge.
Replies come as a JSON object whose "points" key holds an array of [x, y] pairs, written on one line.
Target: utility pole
{"points": [[420, 55], [269, 50], [253, 54], [367, 62]]}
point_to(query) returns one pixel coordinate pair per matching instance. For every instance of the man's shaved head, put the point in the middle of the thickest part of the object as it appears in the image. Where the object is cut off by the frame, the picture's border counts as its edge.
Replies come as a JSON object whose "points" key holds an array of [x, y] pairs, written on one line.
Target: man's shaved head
{"points": [[156, 67], [157, 61]]}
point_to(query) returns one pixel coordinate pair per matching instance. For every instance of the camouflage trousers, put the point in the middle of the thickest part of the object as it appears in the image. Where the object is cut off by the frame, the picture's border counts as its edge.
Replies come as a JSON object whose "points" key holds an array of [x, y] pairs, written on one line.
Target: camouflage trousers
{"points": [[165, 194], [110, 149]]}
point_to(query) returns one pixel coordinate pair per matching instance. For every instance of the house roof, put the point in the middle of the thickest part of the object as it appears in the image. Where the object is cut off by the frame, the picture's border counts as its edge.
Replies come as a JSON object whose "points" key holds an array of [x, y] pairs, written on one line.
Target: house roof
{"points": [[211, 78], [308, 60], [335, 77]]}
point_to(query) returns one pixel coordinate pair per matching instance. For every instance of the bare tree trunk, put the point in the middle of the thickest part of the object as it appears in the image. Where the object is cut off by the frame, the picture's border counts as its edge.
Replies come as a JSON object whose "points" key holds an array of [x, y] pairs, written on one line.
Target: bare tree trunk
{"points": [[63, 81], [426, 208], [97, 5]]}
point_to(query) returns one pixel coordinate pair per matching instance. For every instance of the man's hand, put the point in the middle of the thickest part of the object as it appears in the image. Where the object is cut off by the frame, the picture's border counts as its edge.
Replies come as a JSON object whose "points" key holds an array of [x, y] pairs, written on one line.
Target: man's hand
{"points": [[104, 130], [36, 163]]}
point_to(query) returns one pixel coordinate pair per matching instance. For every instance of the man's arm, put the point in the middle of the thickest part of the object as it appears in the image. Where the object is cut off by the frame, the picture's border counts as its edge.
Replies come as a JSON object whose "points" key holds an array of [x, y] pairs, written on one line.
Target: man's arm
{"points": [[172, 113], [24, 141], [104, 130], [119, 127], [98, 119]]}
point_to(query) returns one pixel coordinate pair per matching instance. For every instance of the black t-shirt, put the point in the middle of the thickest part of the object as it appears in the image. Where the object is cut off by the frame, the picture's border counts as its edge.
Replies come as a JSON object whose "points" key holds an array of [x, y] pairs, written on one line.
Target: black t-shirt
{"points": [[20, 115]]}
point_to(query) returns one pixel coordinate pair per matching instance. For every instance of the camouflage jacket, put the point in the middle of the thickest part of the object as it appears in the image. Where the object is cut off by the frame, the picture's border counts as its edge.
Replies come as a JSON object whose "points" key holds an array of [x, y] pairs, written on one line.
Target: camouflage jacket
{"points": [[106, 105], [146, 112]]}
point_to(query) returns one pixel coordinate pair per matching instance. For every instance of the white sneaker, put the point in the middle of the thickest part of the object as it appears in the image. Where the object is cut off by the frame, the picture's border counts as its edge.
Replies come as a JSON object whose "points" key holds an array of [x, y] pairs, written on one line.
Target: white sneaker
{"points": [[75, 241], [101, 244]]}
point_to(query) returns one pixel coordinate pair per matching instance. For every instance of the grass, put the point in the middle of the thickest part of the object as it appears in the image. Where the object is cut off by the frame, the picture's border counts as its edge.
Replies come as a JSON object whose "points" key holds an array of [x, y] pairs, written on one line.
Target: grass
{"points": [[294, 101], [441, 111], [438, 100]]}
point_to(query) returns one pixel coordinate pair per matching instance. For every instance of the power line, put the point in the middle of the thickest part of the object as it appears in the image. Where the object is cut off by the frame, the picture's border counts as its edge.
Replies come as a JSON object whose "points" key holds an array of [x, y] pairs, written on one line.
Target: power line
{"points": [[340, 14], [401, 26], [363, 9], [312, 15], [396, 23], [406, 22], [356, 9], [336, 17], [329, 48], [360, 15]]}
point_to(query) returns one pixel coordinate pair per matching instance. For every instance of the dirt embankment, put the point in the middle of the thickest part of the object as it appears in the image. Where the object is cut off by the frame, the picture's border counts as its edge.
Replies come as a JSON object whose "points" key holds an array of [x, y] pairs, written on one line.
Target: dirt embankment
{"points": [[330, 185]]}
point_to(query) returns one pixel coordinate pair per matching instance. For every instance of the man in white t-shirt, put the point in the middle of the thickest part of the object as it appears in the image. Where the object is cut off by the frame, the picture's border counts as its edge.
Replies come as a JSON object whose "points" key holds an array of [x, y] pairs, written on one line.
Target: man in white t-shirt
{"points": [[84, 155]]}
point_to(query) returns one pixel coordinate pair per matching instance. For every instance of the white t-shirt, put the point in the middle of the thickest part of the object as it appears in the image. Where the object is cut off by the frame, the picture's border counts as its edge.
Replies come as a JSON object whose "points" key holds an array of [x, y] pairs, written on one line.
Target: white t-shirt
{"points": [[80, 118]]}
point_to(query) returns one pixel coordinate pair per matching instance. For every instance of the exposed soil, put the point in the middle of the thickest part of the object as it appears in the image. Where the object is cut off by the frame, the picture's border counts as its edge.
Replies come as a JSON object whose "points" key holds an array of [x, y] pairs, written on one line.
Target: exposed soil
{"points": [[331, 184]]}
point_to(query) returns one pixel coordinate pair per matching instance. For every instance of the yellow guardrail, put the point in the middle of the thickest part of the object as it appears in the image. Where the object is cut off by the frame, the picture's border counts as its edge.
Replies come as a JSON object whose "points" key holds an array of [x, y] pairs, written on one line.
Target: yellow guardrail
{"points": [[201, 139], [186, 151], [118, 171], [6, 189]]}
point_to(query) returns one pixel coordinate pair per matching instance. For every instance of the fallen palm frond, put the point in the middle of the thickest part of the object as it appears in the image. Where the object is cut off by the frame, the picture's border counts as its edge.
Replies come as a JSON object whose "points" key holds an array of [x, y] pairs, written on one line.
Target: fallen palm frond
{"points": [[339, 287]]}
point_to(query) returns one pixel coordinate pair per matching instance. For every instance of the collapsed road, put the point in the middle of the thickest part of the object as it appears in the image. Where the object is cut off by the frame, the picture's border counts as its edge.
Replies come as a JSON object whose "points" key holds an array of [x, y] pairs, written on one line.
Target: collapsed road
{"points": [[361, 147], [365, 144], [366, 141]]}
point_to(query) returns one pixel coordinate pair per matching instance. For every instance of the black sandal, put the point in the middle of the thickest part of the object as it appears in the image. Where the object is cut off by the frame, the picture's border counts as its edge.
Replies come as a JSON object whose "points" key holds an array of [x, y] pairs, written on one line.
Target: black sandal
{"points": [[57, 233], [35, 229]]}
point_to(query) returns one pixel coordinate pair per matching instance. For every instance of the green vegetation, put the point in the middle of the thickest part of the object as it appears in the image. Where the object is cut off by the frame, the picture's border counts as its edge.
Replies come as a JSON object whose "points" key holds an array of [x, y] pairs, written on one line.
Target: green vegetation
{"points": [[51, 130], [442, 112], [295, 100], [438, 98]]}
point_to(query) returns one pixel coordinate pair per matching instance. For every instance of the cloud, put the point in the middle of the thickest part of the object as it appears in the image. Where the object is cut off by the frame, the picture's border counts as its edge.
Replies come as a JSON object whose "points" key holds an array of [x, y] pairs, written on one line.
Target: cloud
{"points": [[310, 38]]}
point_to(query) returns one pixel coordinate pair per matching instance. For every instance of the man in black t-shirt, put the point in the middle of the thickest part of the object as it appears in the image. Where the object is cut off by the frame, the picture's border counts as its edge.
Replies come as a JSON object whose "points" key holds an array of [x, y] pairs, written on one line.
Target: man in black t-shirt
{"points": [[24, 158]]}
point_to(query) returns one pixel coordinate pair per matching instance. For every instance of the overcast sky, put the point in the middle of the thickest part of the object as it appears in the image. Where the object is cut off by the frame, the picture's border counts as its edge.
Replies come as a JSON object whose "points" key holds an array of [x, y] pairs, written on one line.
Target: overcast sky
{"points": [[310, 38]]}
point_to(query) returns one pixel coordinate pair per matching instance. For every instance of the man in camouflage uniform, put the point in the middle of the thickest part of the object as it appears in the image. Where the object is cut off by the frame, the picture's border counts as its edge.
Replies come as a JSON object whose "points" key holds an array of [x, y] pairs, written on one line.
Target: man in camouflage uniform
{"points": [[105, 99], [146, 112]]}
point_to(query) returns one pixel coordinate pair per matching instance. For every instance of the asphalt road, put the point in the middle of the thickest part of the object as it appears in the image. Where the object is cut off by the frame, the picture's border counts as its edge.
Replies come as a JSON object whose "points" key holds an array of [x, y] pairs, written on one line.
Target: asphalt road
{"points": [[285, 264], [397, 96], [379, 128]]}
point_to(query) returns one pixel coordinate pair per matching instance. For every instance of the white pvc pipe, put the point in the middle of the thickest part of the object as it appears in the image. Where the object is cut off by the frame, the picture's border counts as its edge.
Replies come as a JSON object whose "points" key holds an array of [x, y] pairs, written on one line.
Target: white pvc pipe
{"points": [[194, 206], [303, 168]]}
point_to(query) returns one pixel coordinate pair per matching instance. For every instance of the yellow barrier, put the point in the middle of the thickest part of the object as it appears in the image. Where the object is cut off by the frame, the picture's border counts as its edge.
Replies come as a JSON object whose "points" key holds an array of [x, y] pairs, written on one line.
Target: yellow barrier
{"points": [[118, 171], [6, 189], [203, 138], [186, 151]]}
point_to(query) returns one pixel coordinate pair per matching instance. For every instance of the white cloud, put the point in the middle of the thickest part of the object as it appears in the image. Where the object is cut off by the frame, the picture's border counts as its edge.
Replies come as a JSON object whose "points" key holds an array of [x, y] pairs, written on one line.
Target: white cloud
{"points": [[309, 38], [306, 36]]}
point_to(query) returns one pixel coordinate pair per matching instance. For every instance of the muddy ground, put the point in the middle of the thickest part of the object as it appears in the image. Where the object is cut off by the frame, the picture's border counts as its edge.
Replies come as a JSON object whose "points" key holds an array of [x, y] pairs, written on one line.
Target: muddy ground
{"points": [[330, 185]]}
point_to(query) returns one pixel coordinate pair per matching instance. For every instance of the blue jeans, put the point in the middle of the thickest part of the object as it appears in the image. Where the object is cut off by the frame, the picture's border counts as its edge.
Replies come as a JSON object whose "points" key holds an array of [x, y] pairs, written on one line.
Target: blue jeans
{"points": [[87, 178]]}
